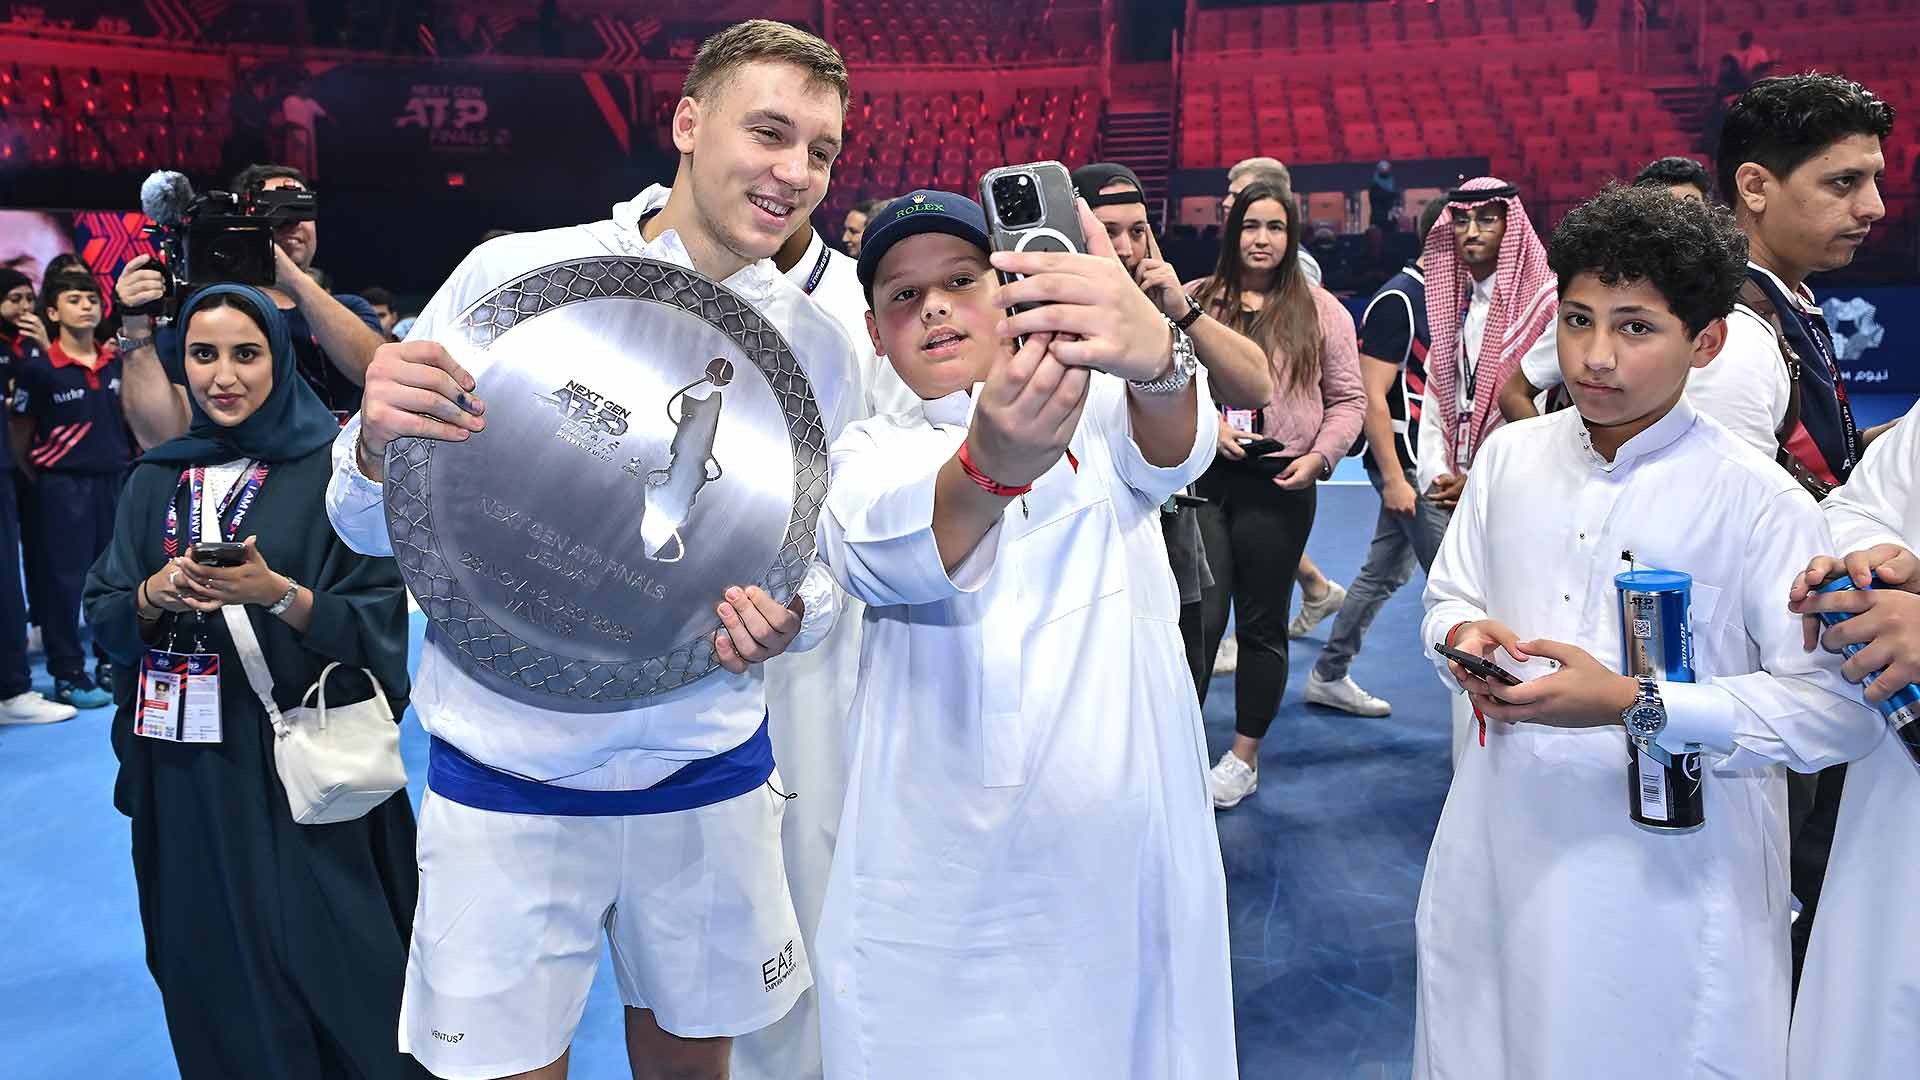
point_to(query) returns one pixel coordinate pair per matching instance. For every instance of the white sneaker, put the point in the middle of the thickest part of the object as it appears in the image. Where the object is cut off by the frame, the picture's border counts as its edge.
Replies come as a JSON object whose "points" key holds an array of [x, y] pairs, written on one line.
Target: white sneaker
{"points": [[1227, 660], [1312, 612], [31, 708], [1231, 780], [1346, 695]]}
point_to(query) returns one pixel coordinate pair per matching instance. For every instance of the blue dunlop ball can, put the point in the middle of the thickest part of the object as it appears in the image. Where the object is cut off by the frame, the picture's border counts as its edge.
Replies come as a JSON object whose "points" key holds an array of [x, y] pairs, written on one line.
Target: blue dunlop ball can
{"points": [[1664, 790], [1902, 707]]}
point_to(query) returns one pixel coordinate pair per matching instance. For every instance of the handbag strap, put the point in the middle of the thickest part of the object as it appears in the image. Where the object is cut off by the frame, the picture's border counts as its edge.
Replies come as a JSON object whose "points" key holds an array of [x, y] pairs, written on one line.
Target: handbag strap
{"points": [[247, 644], [319, 689]]}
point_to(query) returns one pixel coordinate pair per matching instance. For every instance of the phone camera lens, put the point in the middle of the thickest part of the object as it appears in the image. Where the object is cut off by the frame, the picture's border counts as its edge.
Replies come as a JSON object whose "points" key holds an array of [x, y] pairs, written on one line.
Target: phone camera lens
{"points": [[1017, 201]]}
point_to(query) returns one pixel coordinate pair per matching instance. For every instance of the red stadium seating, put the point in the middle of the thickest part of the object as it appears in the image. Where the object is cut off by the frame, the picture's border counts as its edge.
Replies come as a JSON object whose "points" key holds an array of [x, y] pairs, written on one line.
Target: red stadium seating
{"points": [[109, 120]]}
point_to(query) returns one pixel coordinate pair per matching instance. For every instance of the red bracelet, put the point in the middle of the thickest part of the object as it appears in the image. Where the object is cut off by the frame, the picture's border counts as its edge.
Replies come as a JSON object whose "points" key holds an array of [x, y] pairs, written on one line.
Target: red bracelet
{"points": [[988, 483], [1451, 634]]}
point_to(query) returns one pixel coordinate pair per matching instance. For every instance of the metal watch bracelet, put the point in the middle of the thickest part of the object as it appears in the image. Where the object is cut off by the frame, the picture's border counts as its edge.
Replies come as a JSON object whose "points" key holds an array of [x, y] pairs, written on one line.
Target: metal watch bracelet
{"points": [[1184, 365], [285, 602]]}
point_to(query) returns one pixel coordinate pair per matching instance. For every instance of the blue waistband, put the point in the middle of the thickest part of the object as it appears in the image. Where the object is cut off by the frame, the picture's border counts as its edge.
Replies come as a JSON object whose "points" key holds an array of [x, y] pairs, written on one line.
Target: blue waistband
{"points": [[453, 775]]}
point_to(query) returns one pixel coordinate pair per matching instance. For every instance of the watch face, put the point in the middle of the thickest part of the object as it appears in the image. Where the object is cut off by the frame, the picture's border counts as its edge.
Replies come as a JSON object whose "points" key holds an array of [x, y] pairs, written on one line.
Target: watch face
{"points": [[1646, 720]]}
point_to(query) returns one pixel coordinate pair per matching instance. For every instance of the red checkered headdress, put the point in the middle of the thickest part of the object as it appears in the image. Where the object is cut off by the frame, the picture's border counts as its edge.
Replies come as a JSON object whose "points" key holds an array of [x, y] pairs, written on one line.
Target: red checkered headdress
{"points": [[1525, 302]]}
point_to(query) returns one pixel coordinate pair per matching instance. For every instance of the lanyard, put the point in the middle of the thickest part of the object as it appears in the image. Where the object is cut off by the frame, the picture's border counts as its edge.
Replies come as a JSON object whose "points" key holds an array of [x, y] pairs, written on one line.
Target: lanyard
{"points": [[1815, 324], [239, 500], [1823, 344], [819, 270], [1468, 364]]}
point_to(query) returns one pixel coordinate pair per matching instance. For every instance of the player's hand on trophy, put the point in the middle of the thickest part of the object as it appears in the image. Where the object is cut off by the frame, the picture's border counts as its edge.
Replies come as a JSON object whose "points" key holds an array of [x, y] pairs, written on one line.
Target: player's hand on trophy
{"points": [[757, 627], [1028, 409], [415, 389], [1098, 315]]}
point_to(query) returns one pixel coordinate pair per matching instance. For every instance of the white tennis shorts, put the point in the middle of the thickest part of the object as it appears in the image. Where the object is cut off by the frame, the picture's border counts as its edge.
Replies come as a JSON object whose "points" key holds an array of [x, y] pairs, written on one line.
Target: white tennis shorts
{"points": [[506, 937]]}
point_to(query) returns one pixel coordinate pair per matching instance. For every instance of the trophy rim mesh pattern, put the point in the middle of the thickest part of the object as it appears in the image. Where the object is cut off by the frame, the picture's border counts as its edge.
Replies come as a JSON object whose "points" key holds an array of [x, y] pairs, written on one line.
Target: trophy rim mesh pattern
{"points": [[482, 644]]}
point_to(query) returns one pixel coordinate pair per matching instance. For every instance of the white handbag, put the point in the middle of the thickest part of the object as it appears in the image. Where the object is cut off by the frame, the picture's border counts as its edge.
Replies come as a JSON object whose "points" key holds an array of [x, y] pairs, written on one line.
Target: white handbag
{"points": [[336, 763]]}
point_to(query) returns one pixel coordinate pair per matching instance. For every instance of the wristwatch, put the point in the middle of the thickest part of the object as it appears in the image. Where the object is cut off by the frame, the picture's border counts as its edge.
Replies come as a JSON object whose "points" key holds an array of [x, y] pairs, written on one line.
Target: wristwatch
{"points": [[293, 590], [1185, 363], [127, 345], [1646, 718], [1194, 311]]}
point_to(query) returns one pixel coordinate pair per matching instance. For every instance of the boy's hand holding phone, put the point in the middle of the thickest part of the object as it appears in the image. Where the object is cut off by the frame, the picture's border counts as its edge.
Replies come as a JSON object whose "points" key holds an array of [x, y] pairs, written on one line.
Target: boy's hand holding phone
{"points": [[1481, 638], [1099, 317], [1582, 693]]}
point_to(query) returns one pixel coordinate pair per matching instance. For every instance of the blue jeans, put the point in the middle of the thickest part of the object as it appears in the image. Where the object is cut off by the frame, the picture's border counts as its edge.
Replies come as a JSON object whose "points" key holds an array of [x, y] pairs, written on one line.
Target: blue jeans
{"points": [[1398, 540]]}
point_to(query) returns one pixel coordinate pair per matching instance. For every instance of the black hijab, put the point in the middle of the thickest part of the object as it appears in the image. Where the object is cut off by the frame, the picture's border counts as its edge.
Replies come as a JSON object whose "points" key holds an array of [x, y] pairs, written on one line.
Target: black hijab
{"points": [[289, 425]]}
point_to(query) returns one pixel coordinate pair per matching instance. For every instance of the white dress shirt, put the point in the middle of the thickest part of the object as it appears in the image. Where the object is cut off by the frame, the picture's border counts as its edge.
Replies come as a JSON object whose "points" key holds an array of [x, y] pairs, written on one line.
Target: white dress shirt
{"points": [[1028, 882], [1554, 935], [1858, 1013], [640, 747]]}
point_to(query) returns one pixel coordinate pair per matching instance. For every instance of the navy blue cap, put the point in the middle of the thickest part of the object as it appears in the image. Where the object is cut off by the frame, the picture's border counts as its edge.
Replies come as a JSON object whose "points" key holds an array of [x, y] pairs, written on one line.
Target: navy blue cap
{"points": [[919, 212]]}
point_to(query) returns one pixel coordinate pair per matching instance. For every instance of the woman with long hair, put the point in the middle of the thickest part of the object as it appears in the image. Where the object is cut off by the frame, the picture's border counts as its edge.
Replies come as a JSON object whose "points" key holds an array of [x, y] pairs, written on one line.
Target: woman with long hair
{"points": [[1261, 505], [279, 948]]}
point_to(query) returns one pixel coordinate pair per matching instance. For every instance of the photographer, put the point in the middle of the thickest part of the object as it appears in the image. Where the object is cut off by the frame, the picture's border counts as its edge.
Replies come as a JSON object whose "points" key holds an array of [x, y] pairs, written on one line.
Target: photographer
{"points": [[333, 335]]}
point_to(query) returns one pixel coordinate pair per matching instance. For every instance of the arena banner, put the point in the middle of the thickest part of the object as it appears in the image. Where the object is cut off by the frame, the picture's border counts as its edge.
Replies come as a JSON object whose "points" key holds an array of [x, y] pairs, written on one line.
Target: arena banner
{"points": [[487, 123], [1876, 332]]}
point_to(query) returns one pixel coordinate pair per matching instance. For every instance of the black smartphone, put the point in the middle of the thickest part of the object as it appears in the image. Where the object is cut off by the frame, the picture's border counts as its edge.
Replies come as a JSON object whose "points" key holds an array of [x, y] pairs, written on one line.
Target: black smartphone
{"points": [[1031, 207], [222, 554], [1260, 447], [1486, 669]]}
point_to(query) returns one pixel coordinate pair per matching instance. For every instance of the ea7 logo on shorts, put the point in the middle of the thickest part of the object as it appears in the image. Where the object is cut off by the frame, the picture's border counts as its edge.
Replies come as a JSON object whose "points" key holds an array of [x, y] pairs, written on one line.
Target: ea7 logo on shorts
{"points": [[446, 1038], [775, 971]]}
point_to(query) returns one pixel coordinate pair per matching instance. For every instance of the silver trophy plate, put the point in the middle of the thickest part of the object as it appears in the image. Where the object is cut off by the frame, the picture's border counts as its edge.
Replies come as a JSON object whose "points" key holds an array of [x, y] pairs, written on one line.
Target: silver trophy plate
{"points": [[650, 441]]}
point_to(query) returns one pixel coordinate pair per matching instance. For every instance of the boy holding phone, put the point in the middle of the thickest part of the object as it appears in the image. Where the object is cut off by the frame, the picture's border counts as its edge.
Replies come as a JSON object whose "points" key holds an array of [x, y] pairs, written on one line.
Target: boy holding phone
{"points": [[1028, 881], [1553, 933]]}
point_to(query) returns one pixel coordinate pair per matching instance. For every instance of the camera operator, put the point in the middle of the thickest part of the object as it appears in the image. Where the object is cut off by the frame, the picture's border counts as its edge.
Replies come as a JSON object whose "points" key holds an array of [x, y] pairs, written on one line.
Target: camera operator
{"points": [[334, 335]]}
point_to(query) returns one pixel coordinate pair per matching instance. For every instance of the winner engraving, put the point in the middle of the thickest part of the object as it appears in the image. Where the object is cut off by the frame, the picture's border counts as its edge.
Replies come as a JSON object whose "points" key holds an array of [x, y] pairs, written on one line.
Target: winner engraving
{"points": [[542, 606]]}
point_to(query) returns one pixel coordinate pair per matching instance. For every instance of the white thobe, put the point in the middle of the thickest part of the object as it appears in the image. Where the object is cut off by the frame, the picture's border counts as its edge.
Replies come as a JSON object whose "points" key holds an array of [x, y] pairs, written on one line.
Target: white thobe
{"points": [[1028, 882], [1433, 461], [810, 693], [648, 743], [1858, 1013], [1556, 938]]}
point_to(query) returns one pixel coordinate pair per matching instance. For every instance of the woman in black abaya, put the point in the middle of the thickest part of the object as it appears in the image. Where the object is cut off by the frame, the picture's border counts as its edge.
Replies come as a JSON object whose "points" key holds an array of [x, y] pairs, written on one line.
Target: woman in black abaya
{"points": [[279, 948]]}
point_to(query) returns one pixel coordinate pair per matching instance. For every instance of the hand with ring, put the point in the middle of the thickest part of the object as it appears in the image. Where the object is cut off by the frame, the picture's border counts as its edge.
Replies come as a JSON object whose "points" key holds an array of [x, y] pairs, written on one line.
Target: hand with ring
{"points": [[173, 588]]}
